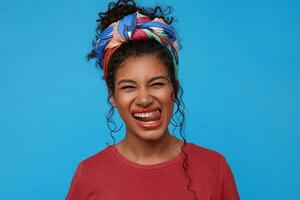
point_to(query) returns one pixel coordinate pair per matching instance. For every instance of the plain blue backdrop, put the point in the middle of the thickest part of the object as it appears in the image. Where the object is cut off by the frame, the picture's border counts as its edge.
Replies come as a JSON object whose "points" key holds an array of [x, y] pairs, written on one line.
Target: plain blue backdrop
{"points": [[239, 67]]}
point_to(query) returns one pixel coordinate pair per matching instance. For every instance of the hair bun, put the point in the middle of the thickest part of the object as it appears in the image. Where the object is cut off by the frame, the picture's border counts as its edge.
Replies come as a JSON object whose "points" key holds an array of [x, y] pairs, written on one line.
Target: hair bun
{"points": [[115, 12], [120, 9]]}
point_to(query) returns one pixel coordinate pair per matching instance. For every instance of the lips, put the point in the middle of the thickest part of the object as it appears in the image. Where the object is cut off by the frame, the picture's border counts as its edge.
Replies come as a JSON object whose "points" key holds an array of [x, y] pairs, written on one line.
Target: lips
{"points": [[148, 118]]}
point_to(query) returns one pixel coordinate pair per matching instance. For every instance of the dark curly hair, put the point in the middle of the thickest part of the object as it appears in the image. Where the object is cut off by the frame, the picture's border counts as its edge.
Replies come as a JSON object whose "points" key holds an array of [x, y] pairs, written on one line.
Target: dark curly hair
{"points": [[115, 12]]}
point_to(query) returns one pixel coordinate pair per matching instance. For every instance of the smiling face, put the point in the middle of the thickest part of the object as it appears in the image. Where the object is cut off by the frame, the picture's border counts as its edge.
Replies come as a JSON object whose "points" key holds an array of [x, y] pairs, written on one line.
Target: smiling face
{"points": [[143, 96]]}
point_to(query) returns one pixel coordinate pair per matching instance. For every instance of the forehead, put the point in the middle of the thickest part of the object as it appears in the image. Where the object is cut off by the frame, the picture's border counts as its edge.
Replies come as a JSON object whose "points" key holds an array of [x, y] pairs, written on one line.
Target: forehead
{"points": [[141, 68]]}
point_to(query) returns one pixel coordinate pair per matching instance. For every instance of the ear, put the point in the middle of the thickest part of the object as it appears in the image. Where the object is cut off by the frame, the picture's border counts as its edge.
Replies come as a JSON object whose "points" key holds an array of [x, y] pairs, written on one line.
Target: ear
{"points": [[112, 99]]}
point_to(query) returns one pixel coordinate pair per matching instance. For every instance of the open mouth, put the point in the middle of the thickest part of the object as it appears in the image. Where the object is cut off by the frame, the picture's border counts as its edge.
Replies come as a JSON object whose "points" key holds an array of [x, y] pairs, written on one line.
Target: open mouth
{"points": [[154, 115], [150, 119]]}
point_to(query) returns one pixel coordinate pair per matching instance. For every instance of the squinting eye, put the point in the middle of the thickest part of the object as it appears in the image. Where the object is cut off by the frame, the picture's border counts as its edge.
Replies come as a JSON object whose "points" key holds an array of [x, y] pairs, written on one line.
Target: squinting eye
{"points": [[127, 87], [157, 85]]}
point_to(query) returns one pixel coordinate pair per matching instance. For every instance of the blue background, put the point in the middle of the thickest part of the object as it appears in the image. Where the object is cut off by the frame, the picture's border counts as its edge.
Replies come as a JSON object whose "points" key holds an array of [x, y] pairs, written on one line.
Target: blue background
{"points": [[239, 67]]}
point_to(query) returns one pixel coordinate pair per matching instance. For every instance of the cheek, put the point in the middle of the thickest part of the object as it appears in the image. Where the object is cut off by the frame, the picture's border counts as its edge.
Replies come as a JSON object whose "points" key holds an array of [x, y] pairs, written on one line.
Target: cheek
{"points": [[165, 95], [166, 99], [123, 102]]}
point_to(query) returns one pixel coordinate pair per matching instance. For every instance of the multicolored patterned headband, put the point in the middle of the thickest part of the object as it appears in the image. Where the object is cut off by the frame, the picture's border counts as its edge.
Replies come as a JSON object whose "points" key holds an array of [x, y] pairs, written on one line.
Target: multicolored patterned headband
{"points": [[135, 27]]}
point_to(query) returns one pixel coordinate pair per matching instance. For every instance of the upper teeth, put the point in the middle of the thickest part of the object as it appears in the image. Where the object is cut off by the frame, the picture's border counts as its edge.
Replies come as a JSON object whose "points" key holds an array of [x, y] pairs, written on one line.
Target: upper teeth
{"points": [[148, 114]]}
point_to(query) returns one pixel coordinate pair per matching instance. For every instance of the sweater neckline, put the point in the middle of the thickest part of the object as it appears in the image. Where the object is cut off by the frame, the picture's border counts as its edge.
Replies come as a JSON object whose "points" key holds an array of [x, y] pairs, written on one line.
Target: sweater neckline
{"points": [[119, 157]]}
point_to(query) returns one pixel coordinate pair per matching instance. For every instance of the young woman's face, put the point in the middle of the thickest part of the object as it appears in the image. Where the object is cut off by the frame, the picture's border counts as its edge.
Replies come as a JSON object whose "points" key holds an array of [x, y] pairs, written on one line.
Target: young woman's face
{"points": [[143, 96]]}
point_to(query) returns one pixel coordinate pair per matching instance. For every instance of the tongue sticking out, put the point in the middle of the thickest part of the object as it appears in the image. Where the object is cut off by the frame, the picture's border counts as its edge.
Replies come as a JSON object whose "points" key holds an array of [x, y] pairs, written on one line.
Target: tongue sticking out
{"points": [[153, 117]]}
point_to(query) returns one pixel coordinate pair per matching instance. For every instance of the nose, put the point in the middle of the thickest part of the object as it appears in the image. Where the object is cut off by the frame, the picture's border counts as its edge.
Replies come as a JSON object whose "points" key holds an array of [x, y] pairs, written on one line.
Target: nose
{"points": [[144, 98]]}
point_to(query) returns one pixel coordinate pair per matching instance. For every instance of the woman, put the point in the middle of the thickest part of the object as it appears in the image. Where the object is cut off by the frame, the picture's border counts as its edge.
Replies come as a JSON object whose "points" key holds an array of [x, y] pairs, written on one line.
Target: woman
{"points": [[138, 52]]}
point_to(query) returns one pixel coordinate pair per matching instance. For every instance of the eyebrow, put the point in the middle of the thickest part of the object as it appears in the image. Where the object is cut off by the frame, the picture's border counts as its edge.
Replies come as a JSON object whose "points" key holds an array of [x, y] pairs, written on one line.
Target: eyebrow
{"points": [[151, 80]]}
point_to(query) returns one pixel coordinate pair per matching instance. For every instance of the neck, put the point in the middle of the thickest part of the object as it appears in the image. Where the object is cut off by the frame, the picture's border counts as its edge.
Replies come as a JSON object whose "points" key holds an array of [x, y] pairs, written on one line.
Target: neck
{"points": [[149, 151]]}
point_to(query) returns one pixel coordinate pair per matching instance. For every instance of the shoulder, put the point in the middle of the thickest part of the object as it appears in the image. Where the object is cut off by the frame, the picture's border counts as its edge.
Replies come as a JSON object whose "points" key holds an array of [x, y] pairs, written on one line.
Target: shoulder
{"points": [[201, 152], [97, 160], [205, 162], [211, 165], [202, 156]]}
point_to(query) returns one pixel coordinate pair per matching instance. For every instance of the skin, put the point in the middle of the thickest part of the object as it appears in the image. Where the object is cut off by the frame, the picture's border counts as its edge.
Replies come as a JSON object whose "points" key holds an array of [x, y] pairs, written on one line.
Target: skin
{"points": [[142, 83]]}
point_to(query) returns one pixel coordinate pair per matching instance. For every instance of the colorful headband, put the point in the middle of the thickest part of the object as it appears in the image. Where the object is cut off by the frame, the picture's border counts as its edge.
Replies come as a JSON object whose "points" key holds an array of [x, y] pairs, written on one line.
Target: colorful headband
{"points": [[135, 27]]}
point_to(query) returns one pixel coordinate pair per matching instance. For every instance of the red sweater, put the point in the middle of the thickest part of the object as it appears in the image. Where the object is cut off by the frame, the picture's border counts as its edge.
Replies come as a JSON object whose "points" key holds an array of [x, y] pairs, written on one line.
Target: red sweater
{"points": [[107, 175]]}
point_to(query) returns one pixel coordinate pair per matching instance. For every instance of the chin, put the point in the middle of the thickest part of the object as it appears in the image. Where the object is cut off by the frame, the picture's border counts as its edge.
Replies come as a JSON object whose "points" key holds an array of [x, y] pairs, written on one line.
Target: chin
{"points": [[150, 135]]}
